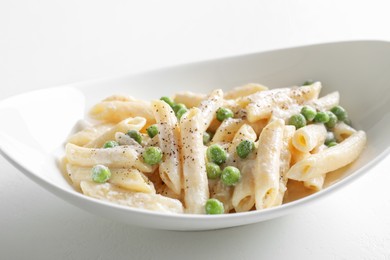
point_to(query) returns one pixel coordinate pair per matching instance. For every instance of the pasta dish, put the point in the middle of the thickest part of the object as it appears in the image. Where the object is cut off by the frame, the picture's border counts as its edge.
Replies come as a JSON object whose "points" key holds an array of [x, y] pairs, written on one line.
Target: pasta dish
{"points": [[211, 153]]}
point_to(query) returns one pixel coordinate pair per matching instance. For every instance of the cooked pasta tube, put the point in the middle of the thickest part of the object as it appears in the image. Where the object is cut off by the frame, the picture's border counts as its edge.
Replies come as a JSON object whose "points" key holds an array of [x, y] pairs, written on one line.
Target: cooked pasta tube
{"points": [[136, 123], [87, 134], [261, 104], [325, 103], [209, 107], [245, 90], [116, 111], [169, 138], [196, 190], [116, 157], [109, 192], [285, 160], [309, 137], [190, 99], [243, 198], [342, 131], [227, 130], [267, 169], [330, 159], [129, 179], [315, 183]]}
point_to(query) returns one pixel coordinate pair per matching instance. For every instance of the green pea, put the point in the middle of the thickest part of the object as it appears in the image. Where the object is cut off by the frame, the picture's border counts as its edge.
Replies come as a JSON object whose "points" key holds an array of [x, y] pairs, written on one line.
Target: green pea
{"points": [[135, 135], [181, 112], [230, 175], [100, 173], [152, 155], [245, 148], [214, 206], [308, 82], [321, 117], [340, 112], [297, 120], [152, 131], [332, 144], [309, 113], [110, 144], [224, 113], [216, 154], [213, 170], [329, 138], [206, 138], [177, 107], [332, 120], [168, 100]]}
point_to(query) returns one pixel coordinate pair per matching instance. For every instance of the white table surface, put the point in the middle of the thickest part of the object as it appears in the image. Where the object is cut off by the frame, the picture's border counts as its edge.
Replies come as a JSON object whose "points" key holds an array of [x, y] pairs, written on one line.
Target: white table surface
{"points": [[48, 43]]}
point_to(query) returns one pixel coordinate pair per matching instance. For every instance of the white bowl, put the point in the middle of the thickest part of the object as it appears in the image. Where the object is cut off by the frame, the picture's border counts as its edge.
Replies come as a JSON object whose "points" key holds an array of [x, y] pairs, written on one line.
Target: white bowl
{"points": [[35, 124]]}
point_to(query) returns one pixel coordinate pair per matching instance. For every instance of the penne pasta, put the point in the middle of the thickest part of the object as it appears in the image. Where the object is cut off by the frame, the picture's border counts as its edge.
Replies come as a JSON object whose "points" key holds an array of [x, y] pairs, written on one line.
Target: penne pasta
{"points": [[267, 170], [245, 90], [120, 156], [109, 192], [168, 137], [196, 191], [189, 99], [330, 159], [309, 137], [136, 123], [209, 107], [129, 179], [249, 148], [261, 104], [326, 102], [116, 111], [285, 160], [88, 133], [342, 131], [227, 130]]}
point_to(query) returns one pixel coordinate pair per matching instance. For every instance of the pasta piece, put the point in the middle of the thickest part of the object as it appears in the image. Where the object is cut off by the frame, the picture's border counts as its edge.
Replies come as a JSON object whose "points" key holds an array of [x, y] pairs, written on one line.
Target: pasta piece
{"points": [[209, 107], [117, 157], [330, 159], [136, 123], [196, 191], [342, 131], [261, 104], [227, 130], [308, 137], [285, 160], [89, 133], [267, 169], [325, 103], [297, 155], [129, 179], [315, 183], [110, 193], [244, 90], [116, 111], [190, 99], [168, 138], [119, 98], [243, 198]]}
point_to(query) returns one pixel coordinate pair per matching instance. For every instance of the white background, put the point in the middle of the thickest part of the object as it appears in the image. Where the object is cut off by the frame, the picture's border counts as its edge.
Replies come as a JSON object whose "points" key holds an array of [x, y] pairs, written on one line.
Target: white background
{"points": [[47, 43]]}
